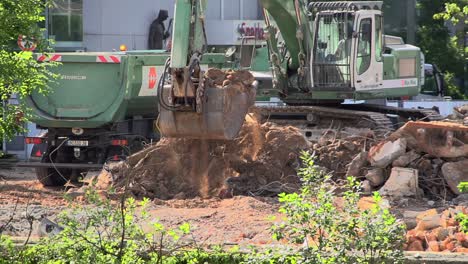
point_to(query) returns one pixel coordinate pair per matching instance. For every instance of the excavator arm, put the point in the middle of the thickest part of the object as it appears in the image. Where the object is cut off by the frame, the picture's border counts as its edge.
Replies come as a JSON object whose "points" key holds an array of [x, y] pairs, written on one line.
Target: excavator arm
{"points": [[291, 20], [191, 103]]}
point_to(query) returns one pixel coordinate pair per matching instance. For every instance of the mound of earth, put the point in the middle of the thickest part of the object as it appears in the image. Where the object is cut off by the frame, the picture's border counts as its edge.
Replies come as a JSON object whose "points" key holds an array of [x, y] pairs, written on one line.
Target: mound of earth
{"points": [[262, 160]]}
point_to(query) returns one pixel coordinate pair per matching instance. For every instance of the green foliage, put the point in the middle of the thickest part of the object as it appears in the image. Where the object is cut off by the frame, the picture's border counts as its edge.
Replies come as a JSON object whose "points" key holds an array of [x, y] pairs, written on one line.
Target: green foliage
{"points": [[104, 232], [436, 43], [455, 10], [452, 89], [19, 72], [463, 187], [461, 217], [463, 220], [332, 229]]}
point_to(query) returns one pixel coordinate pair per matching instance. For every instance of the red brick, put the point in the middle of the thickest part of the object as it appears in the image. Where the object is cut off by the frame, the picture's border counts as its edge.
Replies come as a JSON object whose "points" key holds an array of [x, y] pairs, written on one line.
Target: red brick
{"points": [[416, 246]]}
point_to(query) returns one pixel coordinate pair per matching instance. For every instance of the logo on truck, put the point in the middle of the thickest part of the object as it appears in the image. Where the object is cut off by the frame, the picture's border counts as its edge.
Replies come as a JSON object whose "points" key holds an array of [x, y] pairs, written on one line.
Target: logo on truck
{"points": [[153, 78], [149, 80], [73, 77]]}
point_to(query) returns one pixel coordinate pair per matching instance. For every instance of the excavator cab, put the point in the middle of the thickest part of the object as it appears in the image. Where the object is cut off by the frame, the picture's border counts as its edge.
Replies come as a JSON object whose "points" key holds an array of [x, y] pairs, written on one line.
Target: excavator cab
{"points": [[347, 51]]}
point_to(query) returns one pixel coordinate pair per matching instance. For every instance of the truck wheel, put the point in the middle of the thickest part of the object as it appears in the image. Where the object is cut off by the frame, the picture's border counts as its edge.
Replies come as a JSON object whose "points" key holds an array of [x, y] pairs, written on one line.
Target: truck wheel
{"points": [[50, 176]]}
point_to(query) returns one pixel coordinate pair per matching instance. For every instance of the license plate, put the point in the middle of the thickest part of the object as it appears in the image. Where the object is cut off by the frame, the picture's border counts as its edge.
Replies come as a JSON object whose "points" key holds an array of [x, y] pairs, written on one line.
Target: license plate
{"points": [[77, 143]]}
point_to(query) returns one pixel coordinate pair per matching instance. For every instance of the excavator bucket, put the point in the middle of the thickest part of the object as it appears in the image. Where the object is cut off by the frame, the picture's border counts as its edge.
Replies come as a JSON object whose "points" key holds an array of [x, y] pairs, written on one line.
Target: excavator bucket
{"points": [[226, 100]]}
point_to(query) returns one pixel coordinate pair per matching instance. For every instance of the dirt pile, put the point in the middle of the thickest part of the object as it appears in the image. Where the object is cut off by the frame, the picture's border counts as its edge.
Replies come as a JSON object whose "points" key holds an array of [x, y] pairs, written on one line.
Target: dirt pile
{"points": [[262, 160], [438, 232]]}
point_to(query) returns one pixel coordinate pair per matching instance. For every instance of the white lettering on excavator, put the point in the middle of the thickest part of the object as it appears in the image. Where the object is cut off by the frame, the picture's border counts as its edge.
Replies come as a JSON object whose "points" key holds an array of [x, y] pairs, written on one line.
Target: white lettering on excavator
{"points": [[74, 77], [400, 83]]}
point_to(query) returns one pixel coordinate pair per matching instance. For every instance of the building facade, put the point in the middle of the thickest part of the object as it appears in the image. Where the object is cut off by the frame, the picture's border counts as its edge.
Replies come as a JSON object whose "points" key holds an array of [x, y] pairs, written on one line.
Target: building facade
{"points": [[103, 25]]}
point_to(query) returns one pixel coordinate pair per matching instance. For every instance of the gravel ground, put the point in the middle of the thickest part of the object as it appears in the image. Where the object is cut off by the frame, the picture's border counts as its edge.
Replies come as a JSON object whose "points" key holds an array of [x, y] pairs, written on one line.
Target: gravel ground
{"points": [[237, 221]]}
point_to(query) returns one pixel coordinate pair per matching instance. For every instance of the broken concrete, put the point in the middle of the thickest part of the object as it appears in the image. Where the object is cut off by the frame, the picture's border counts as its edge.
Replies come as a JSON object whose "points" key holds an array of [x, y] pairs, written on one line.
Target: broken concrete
{"points": [[384, 153], [455, 173], [403, 182], [357, 164], [406, 159], [366, 187], [439, 139], [376, 177]]}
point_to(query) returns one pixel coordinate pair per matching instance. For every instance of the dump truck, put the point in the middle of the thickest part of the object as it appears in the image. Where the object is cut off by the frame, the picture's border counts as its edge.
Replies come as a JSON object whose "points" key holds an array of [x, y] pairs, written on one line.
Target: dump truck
{"points": [[103, 107]]}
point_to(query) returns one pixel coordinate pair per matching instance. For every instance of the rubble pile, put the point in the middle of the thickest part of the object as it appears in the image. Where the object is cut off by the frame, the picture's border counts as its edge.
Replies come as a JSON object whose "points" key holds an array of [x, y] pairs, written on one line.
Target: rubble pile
{"points": [[262, 160], [438, 232], [460, 114], [420, 159], [335, 151]]}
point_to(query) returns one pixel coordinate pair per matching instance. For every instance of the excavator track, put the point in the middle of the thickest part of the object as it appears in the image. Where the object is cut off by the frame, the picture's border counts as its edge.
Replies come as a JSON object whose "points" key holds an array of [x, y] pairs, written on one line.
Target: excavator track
{"points": [[375, 117], [423, 114], [308, 118]]}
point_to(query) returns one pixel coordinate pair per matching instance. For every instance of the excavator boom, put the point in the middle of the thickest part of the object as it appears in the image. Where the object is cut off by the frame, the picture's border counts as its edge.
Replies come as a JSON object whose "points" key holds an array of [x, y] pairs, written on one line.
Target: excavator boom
{"points": [[192, 104]]}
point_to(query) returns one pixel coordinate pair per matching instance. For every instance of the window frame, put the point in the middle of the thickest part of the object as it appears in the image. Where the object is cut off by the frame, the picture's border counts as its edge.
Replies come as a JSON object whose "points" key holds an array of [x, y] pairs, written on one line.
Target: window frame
{"points": [[379, 55], [65, 45], [360, 34]]}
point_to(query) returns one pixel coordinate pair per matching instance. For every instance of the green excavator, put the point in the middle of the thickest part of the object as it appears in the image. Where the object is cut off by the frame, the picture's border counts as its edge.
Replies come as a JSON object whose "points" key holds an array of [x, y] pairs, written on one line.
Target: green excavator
{"points": [[321, 53]]}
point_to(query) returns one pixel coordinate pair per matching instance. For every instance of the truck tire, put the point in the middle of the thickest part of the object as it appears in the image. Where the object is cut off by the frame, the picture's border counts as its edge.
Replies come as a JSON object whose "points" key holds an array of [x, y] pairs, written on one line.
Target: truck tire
{"points": [[50, 176]]}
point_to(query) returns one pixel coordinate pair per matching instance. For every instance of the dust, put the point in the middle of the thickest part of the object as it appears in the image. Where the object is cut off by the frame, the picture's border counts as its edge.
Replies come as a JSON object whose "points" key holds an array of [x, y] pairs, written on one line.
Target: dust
{"points": [[262, 160]]}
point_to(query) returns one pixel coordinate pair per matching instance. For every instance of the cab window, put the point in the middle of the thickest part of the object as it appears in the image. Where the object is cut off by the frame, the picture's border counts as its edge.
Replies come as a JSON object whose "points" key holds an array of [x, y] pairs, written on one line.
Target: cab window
{"points": [[364, 46], [378, 37]]}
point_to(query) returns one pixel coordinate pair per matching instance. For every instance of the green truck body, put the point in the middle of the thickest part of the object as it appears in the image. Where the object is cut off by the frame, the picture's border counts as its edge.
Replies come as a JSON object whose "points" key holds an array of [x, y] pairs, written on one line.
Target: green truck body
{"points": [[98, 89], [103, 106]]}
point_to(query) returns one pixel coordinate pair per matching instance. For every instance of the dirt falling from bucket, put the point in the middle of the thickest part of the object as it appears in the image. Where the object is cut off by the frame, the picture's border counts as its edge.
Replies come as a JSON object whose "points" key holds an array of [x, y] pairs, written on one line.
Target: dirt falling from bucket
{"points": [[200, 166], [185, 168], [257, 138]]}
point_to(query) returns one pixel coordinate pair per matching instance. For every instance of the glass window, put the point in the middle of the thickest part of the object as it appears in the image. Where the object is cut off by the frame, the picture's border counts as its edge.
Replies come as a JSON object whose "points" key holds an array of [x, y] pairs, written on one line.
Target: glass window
{"points": [[213, 10], [333, 39], [249, 10], [66, 20], [378, 37], [232, 9], [364, 46]]}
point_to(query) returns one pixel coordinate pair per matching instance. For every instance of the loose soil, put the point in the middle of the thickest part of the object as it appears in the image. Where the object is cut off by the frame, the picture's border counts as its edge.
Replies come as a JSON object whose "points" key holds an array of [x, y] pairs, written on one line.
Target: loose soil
{"points": [[261, 161]]}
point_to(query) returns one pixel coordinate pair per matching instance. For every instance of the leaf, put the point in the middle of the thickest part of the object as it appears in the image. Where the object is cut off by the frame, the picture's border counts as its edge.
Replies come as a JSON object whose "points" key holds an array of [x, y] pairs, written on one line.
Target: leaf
{"points": [[185, 228]]}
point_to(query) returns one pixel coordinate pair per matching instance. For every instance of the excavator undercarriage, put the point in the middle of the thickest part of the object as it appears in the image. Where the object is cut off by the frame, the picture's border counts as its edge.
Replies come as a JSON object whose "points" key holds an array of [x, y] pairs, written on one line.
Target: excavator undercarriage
{"points": [[381, 119]]}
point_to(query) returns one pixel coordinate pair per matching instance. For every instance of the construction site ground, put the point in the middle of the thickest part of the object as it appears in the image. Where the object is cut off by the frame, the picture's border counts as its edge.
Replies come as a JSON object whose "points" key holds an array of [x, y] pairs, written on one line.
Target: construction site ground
{"points": [[227, 190], [238, 221]]}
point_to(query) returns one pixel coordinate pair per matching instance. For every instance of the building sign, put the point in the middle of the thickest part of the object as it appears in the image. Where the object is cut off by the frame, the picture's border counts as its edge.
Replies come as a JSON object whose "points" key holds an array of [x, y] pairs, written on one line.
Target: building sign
{"points": [[251, 31], [235, 32]]}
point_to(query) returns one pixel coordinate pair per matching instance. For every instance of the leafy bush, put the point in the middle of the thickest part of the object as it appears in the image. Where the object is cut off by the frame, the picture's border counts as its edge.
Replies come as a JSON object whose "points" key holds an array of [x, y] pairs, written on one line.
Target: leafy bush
{"points": [[332, 229], [104, 232], [461, 217]]}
